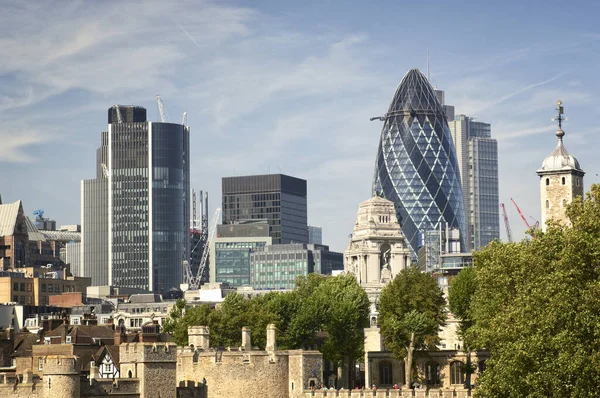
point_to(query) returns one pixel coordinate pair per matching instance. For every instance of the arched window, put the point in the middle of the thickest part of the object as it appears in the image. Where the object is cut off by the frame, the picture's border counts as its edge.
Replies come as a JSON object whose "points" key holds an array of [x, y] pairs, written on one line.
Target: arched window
{"points": [[547, 181], [481, 366], [547, 204], [129, 374], [577, 181], [385, 372], [456, 373], [563, 181], [432, 373]]}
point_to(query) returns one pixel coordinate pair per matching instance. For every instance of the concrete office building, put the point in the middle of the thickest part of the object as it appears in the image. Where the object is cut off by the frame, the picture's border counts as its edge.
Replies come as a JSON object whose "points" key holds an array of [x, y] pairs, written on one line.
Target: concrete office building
{"points": [[477, 155], [135, 213], [416, 165], [277, 198]]}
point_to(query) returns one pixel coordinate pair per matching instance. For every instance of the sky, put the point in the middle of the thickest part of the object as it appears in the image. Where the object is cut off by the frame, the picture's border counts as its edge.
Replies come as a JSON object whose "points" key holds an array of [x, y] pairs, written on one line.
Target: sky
{"points": [[282, 86]]}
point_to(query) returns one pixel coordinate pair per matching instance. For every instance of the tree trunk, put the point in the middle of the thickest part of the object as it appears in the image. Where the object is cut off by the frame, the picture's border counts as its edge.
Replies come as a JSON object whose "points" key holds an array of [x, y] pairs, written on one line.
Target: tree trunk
{"points": [[409, 359]]}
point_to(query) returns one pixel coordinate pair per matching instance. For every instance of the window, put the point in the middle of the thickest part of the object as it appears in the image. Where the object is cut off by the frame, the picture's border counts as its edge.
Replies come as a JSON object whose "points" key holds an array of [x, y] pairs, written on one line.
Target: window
{"points": [[547, 181], [22, 287], [547, 204], [68, 339], [16, 286], [43, 287], [47, 340], [29, 287], [456, 373], [563, 180], [432, 373], [385, 372], [40, 363], [107, 368]]}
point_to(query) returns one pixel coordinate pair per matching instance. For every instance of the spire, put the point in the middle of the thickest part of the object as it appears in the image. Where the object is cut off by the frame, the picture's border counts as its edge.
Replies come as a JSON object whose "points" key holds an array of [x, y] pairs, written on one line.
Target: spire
{"points": [[561, 111]]}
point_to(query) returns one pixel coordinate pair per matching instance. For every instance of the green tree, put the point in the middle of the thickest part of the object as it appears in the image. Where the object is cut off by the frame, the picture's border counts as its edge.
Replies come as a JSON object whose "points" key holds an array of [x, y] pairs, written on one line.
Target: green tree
{"points": [[342, 307], [411, 312], [536, 309], [461, 292]]}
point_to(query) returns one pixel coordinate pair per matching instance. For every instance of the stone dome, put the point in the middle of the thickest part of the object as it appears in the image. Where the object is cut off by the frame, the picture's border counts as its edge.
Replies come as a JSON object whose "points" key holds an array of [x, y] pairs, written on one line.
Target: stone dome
{"points": [[560, 158]]}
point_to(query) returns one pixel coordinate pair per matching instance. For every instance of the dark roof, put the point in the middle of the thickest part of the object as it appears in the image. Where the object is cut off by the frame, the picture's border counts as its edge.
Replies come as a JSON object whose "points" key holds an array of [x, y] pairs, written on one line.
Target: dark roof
{"points": [[113, 352], [83, 334], [23, 343]]}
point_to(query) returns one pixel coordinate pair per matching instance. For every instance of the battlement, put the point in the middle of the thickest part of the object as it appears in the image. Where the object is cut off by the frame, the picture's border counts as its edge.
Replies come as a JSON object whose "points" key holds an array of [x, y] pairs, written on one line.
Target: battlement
{"points": [[383, 393], [61, 365], [147, 352]]}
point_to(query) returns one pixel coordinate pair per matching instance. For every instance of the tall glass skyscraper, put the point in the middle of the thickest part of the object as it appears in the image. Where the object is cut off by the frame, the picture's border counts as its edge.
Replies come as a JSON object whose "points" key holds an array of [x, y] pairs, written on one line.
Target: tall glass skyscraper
{"points": [[138, 206], [416, 165], [477, 155]]}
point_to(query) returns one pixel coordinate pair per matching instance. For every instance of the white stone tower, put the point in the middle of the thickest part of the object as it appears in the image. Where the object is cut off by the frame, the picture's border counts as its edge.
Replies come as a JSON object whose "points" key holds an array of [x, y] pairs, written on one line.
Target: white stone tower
{"points": [[561, 179], [377, 250]]}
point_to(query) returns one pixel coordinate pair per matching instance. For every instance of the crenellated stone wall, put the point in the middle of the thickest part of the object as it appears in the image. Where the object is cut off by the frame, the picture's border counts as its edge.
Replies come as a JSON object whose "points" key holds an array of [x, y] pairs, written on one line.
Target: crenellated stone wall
{"points": [[382, 393]]}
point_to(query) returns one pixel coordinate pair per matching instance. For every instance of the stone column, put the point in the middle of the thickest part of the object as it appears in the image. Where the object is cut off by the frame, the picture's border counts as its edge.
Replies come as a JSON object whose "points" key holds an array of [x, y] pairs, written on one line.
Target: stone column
{"points": [[246, 339], [271, 338]]}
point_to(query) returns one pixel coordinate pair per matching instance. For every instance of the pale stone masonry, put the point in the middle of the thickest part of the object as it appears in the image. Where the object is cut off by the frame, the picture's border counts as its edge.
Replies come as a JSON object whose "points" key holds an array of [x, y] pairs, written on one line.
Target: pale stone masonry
{"points": [[377, 250], [248, 372], [561, 180]]}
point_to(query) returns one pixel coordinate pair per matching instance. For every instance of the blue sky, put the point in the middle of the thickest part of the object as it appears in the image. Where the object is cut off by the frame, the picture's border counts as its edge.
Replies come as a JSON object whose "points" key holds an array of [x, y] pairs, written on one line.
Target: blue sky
{"points": [[288, 86]]}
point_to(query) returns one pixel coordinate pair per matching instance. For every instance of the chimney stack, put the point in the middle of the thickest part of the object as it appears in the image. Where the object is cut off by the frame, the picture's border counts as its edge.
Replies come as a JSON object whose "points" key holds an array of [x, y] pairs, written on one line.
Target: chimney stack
{"points": [[246, 339], [271, 338]]}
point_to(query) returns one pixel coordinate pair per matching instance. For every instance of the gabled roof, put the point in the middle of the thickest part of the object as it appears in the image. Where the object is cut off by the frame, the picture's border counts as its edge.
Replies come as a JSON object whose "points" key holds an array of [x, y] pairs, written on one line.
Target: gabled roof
{"points": [[32, 231], [8, 217], [83, 334], [111, 350], [23, 343]]}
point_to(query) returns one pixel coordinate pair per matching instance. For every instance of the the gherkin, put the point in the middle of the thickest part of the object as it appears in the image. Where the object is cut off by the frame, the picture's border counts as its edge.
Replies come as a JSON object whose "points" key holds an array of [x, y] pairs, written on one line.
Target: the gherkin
{"points": [[416, 165]]}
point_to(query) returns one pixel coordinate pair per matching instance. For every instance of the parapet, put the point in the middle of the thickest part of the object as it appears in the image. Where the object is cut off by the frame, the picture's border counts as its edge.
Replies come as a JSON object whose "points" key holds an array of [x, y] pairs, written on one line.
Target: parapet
{"points": [[147, 352], [61, 365], [384, 393]]}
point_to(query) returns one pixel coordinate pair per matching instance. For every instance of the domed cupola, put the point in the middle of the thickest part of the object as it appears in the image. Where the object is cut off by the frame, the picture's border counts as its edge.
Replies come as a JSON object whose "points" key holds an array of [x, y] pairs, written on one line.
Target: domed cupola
{"points": [[560, 159], [561, 179]]}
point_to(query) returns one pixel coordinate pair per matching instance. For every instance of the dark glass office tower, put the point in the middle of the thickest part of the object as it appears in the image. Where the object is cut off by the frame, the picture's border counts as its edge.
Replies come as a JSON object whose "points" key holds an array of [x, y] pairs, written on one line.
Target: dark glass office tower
{"points": [[277, 198], [146, 165], [416, 165]]}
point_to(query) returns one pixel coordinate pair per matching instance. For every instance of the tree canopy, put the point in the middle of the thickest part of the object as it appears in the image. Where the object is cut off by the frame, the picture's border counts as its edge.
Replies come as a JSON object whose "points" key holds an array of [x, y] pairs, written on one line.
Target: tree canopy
{"points": [[337, 306], [536, 308], [411, 312]]}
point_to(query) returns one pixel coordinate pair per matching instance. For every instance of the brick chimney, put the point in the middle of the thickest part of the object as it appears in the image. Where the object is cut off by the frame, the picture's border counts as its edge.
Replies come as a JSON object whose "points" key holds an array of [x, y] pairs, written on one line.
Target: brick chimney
{"points": [[120, 336], [246, 339]]}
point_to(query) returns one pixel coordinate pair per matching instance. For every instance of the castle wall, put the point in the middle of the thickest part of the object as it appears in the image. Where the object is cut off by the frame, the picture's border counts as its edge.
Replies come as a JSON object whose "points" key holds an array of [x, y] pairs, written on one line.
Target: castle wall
{"points": [[304, 367], [239, 373]]}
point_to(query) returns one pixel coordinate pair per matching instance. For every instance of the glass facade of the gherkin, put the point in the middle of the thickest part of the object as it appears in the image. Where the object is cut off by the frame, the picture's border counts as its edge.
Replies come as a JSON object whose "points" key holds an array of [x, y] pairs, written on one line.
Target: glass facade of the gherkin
{"points": [[416, 165]]}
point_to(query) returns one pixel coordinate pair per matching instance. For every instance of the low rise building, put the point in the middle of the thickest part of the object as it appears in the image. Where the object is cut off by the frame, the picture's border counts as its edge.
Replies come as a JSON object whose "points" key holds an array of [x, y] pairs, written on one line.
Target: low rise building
{"points": [[277, 266], [142, 309]]}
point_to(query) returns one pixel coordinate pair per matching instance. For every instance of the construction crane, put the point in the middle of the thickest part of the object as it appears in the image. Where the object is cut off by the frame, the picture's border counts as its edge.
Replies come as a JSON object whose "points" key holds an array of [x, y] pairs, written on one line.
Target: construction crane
{"points": [[193, 281], [118, 111], [184, 119], [506, 223], [161, 109], [537, 223]]}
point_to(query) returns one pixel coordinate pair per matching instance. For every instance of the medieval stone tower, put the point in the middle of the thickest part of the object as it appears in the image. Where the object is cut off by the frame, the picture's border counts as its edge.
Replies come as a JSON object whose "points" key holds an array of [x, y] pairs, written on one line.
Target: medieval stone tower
{"points": [[61, 376], [377, 250], [561, 179]]}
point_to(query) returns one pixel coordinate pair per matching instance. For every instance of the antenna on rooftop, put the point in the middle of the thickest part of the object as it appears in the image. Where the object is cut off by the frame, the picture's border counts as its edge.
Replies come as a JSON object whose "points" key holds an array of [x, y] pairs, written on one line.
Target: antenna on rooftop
{"points": [[428, 66]]}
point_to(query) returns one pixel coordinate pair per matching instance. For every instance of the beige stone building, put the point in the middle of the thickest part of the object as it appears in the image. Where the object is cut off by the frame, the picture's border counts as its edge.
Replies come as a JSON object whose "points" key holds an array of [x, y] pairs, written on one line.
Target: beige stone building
{"points": [[377, 250], [246, 371], [561, 179]]}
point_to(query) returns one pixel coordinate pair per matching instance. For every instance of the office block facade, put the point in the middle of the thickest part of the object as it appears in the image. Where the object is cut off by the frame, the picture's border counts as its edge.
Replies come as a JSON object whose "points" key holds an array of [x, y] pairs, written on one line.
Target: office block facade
{"points": [[277, 266], [477, 155], [277, 198], [315, 235], [230, 251], [139, 203], [416, 165]]}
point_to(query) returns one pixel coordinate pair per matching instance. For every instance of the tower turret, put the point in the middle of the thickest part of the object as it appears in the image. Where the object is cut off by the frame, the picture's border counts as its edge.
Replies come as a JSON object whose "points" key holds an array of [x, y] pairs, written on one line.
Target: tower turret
{"points": [[561, 178]]}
